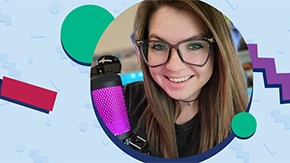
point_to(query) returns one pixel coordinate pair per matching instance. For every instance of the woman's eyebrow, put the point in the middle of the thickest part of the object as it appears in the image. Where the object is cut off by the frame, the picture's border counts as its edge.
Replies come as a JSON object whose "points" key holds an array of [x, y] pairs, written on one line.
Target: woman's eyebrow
{"points": [[195, 36], [162, 39], [156, 36]]}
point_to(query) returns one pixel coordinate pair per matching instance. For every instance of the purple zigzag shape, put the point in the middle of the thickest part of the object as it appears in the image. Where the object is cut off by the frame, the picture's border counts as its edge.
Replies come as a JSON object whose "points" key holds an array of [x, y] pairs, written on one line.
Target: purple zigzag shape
{"points": [[271, 78]]}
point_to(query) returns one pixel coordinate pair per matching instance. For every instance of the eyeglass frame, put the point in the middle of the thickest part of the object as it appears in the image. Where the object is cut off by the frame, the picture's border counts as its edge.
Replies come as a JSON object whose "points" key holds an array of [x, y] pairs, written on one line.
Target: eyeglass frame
{"points": [[210, 40]]}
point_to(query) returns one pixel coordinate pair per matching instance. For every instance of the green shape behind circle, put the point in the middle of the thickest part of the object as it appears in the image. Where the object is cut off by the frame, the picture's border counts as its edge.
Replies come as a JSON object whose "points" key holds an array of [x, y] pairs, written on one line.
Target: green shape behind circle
{"points": [[244, 125], [81, 30]]}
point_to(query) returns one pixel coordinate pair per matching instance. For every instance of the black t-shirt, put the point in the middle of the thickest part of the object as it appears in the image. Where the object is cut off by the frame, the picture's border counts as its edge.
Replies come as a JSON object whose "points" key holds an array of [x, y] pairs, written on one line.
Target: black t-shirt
{"points": [[187, 134]]}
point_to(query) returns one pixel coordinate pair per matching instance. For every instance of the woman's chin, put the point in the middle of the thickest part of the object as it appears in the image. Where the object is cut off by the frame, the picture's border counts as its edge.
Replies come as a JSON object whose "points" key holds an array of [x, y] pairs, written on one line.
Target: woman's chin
{"points": [[182, 95], [177, 96]]}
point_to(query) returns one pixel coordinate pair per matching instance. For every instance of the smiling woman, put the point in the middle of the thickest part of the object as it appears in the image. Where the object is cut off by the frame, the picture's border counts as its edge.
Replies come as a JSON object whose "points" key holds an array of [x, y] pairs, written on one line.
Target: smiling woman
{"points": [[193, 81]]}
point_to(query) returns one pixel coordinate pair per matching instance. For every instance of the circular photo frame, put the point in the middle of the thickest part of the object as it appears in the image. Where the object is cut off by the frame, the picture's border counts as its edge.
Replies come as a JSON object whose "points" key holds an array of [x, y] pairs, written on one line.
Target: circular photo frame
{"points": [[123, 79]]}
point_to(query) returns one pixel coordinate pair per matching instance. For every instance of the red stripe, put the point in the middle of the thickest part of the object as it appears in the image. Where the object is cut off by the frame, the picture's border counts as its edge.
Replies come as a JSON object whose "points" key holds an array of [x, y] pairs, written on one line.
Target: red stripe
{"points": [[28, 93]]}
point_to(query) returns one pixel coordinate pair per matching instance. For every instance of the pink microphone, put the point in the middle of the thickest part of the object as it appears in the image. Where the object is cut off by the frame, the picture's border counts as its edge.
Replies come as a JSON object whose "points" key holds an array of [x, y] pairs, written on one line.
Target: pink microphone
{"points": [[109, 100], [108, 96]]}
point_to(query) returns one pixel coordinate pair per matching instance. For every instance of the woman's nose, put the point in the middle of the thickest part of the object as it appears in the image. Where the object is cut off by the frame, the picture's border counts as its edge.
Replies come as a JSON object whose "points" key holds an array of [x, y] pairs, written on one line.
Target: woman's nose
{"points": [[175, 63]]}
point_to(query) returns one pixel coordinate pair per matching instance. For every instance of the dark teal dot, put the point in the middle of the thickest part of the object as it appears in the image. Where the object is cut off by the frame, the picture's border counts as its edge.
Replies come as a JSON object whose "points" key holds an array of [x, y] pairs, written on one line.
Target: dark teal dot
{"points": [[244, 125]]}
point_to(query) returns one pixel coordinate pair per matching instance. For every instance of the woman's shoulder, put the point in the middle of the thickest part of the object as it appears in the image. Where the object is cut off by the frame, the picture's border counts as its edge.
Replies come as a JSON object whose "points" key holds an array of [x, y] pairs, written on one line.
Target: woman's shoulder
{"points": [[134, 93], [134, 86], [135, 101]]}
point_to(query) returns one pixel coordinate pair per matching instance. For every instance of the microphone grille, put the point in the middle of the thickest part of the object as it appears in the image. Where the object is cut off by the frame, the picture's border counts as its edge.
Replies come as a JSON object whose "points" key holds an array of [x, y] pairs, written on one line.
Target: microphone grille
{"points": [[111, 107]]}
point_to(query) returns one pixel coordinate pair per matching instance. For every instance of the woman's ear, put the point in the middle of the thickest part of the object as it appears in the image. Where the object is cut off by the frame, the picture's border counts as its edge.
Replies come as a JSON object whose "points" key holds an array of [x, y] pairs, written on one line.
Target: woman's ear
{"points": [[138, 55], [132, 36]]}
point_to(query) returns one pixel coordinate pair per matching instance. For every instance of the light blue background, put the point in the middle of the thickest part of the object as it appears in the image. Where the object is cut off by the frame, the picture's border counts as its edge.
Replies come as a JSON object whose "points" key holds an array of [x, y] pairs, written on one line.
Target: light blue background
{"points": [[30, 44]]}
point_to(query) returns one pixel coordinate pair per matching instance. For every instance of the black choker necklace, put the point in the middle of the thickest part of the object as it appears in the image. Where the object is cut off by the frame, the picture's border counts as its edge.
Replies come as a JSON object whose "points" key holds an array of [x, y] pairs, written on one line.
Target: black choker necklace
{"points": [[189, 101]]}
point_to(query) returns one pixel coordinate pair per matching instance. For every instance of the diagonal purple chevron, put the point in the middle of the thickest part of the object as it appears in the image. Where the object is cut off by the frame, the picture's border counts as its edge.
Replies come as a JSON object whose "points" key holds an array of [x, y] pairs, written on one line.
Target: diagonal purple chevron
{"points": [[271, 78]]}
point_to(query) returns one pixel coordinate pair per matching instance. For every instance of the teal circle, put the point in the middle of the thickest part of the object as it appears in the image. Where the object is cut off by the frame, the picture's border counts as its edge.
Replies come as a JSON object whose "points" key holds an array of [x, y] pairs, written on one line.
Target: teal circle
{"points": [[81, 30], [244, 125]]}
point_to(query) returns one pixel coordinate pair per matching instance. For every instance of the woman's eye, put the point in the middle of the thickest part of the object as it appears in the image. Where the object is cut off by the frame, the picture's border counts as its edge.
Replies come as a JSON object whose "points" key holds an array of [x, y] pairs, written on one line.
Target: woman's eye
{"points": [[194, 46], [159, 47]]}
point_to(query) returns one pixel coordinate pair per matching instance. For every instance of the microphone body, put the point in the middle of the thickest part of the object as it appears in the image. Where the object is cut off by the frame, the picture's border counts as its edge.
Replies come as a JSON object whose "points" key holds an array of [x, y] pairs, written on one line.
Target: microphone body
{"points": [[108, 98]]}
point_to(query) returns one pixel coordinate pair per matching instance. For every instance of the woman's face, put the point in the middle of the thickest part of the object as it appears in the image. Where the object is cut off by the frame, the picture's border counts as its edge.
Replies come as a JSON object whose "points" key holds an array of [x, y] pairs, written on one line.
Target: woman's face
{"points": [[173, 26]]}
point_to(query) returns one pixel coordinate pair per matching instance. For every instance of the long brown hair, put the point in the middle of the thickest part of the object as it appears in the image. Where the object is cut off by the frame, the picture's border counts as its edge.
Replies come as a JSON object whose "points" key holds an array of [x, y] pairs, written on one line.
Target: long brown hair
{"points": [[223, 96]]}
